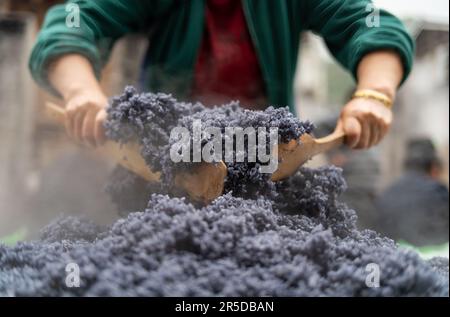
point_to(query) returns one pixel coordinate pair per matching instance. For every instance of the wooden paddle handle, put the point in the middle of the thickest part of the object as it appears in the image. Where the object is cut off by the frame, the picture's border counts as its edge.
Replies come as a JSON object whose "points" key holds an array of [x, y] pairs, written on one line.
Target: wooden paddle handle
{"points": [[55, 112], [127, 155], [331, 141]]}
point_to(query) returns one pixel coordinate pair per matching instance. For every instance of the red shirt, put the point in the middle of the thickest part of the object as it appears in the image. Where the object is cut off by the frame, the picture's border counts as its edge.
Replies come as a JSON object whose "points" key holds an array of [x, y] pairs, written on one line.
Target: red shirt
{"points": [[227, 67]]}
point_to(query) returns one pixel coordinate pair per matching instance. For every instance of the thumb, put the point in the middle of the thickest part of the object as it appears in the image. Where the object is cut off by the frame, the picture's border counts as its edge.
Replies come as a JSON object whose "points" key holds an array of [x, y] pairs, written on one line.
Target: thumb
{"points": [[352, 129], [99, 131]]}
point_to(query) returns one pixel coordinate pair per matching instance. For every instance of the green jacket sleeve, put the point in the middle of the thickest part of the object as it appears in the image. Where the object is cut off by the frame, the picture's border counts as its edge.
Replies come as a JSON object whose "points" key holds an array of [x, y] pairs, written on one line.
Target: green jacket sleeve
{"points": [[101, 23], [344, 26]]}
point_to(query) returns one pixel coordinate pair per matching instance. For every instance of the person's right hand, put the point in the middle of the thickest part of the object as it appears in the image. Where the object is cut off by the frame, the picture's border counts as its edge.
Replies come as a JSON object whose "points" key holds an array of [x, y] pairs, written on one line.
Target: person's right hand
{"points": [[85, 115]]}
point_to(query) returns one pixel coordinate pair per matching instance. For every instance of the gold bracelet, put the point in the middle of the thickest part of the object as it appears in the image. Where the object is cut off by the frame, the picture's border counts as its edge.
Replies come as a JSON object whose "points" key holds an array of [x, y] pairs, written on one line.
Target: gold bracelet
{"points": [[374, 95]]}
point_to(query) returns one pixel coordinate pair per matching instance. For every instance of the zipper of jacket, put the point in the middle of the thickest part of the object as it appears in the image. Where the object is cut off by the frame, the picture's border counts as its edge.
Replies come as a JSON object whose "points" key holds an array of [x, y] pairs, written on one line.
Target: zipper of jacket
{"points": [[254, 38], [197, 53]]}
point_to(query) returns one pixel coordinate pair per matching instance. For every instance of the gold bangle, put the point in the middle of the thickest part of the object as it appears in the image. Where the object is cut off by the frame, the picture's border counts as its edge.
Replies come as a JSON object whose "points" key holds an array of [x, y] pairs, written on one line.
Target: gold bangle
{"points": [[374, 95]]}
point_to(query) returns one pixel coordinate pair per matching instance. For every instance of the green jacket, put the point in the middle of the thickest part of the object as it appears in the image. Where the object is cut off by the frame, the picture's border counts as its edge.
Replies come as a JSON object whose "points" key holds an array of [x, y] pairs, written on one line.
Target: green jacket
{"points": [[175, 29]]}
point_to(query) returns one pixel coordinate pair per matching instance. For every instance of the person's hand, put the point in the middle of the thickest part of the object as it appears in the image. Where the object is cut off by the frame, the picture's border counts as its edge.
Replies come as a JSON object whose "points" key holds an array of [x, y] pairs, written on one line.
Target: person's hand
{"points": [[85, 115], [365, 122]]}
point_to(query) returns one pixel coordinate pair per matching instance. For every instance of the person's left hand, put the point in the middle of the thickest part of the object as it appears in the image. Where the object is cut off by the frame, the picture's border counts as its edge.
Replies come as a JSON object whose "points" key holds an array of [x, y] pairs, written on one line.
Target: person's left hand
{"points": [[365, 122]]}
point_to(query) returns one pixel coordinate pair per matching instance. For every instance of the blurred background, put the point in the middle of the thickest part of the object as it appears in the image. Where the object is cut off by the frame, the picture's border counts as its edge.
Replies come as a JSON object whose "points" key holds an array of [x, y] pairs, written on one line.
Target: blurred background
{"points": [[43, 175]]}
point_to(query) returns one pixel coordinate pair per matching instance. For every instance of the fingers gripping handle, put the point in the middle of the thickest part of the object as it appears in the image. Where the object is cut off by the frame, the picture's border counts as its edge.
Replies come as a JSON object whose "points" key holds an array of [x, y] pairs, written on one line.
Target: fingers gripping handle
{"points": [[127, 155]]}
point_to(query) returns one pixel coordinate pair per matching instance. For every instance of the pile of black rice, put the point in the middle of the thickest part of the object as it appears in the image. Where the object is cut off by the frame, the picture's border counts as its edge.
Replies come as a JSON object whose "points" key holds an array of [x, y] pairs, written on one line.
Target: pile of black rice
{"points": [[292, 238]]}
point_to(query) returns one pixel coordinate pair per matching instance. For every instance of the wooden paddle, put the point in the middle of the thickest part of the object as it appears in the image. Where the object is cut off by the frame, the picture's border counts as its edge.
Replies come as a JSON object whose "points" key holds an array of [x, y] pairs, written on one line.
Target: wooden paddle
{"points": [[204, 183], [294, 154]]}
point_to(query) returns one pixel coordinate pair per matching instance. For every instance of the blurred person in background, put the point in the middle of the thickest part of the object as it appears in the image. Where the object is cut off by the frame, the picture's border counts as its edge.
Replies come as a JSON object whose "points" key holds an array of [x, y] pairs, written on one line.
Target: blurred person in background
{"points": [[415, 208], [215, 51]]}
